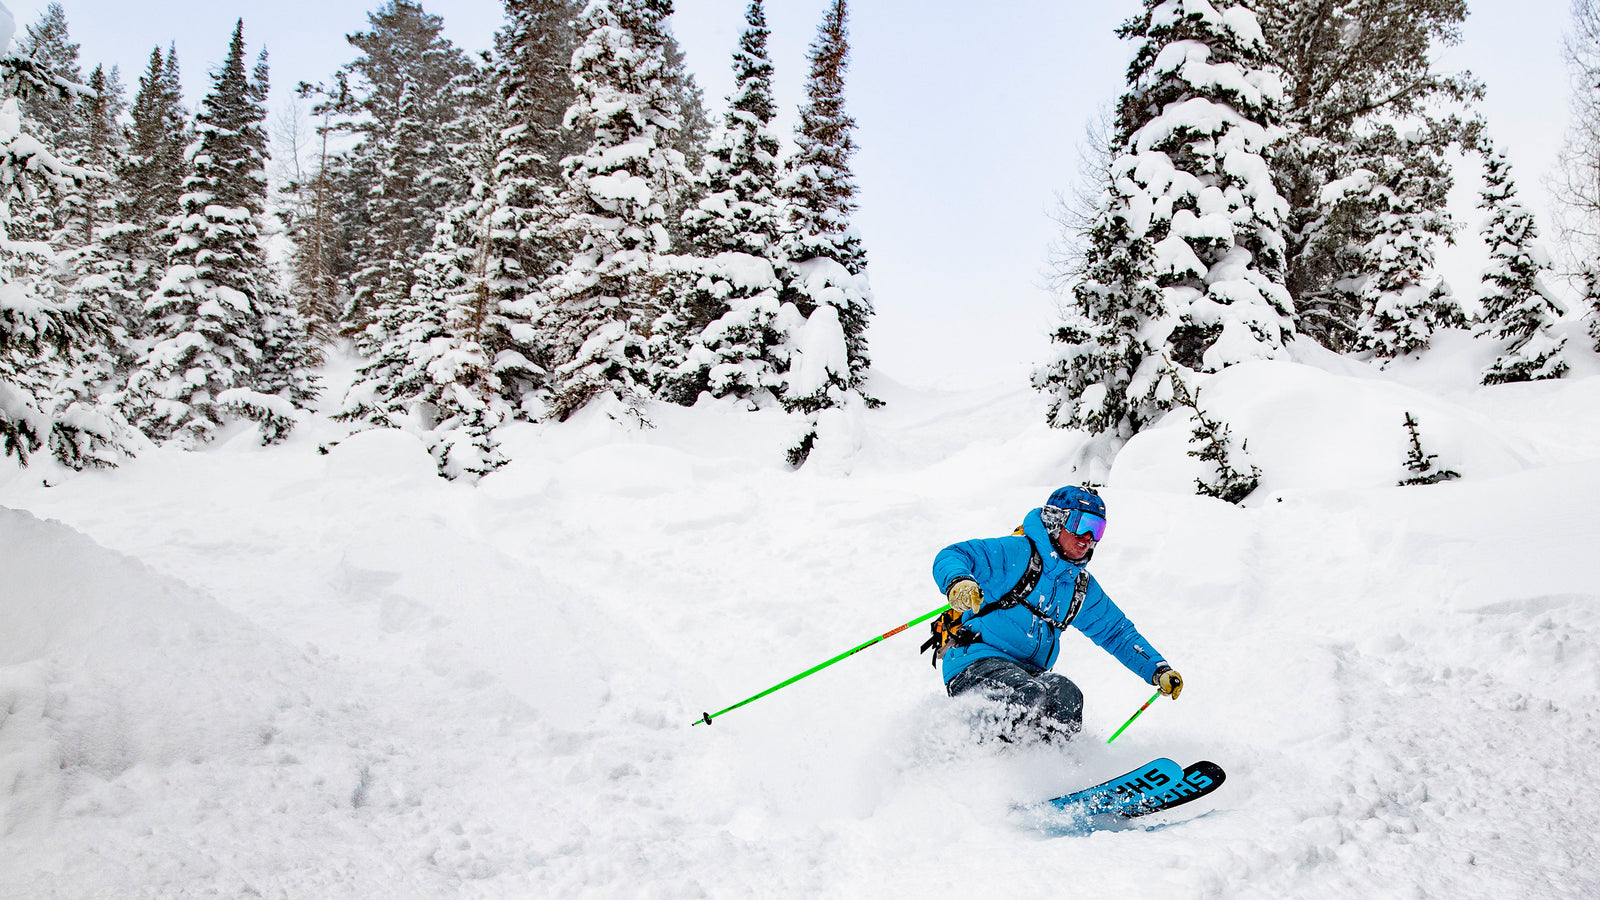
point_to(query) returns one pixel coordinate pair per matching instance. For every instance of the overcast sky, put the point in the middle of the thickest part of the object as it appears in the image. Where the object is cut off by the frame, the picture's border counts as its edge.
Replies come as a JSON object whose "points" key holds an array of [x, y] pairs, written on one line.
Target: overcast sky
{"points": [[970, 117]]}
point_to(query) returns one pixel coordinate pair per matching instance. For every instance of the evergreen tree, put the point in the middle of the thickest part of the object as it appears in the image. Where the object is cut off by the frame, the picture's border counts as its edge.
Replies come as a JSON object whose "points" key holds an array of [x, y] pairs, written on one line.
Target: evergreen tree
{"points": [[105, 145], [45, 333], [1419, 463], [154, 168], [1397, 304], [1213, 441], [403, 53], [1184, 263], [464, 354], [1517, 306], [1105, 378], [532, 76], [1363, 111], [736, 327], [99, 269], [408, 330], [63, 123], [617, 193], [434, 376], [225, 341], [57, 119], [512, 223], [400, 229], [825, 261], [456, 378]]}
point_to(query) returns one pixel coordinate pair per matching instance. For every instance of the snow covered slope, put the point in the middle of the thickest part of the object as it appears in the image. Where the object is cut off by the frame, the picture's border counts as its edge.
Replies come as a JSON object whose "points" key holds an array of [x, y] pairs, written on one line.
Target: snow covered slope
{"points": [[293, 674]]}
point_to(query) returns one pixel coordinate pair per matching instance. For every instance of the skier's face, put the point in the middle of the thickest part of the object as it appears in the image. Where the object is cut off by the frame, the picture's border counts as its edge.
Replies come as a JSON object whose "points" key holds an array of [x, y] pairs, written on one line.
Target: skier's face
{"points": [[1075, 546]]}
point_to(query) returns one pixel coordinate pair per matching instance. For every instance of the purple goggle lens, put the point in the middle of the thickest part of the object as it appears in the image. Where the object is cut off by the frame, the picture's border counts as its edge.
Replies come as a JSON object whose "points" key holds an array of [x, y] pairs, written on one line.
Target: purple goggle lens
{"points": [[1079, 522]]}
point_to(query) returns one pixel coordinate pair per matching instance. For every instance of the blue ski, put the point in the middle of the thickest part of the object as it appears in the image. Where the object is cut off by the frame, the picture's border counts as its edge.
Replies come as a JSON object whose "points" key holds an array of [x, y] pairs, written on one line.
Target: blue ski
{"points": [[1157, 785]]}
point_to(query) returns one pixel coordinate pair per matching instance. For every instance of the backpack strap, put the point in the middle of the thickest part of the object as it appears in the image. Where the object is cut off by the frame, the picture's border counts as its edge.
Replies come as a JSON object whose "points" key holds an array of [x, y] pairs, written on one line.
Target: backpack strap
{"points": [[1030, 579], [947, 630], [1019, 592], [1080, 590]]}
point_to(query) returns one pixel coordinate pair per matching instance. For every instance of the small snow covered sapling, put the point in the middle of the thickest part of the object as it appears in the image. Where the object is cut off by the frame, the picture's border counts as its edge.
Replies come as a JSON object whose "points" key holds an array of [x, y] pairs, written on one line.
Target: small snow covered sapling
{"points": [[801, 451], [1214, 445], [1421, 463]]}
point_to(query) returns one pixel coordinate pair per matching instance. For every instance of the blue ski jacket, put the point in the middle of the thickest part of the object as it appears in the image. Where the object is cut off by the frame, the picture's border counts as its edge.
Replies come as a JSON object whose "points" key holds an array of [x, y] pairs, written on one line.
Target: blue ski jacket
{"points": [[997, 564]]}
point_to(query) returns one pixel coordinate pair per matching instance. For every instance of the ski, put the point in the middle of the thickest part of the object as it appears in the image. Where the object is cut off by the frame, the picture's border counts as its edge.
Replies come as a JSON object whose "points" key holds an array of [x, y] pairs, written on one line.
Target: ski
{"points": [[1155, 786]]}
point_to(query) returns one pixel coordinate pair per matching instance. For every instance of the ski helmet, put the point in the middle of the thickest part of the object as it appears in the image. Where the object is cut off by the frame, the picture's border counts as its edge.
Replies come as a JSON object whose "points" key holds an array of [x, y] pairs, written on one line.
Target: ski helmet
{"points": [[1078, 499]]}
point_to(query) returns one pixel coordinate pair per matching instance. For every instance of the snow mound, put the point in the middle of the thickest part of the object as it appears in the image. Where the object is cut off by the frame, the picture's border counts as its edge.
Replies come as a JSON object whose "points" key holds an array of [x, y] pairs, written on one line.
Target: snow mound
{"points": [[384, 454], [106, 665], [1311, 430]]}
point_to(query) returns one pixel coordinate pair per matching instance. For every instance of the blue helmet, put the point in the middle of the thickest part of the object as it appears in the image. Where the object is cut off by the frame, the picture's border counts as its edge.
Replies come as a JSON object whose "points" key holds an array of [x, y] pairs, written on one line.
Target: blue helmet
{"points": [[1078, 510], [1078, 499]]}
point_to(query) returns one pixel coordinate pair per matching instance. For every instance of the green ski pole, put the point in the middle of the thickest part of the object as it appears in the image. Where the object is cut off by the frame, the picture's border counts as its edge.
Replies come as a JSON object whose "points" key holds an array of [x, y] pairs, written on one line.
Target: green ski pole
{"points": [[1134, 716], [707, 717]]}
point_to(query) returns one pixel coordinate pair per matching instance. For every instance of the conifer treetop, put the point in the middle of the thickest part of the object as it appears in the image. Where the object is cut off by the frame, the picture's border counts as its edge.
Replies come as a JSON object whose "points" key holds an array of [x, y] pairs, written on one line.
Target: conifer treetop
{"points": [[823, 188]]}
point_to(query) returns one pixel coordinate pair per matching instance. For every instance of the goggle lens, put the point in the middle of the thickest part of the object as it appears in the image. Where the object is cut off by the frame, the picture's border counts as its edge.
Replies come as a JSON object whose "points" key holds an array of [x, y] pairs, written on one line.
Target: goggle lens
{"points": [[1079, 522]]}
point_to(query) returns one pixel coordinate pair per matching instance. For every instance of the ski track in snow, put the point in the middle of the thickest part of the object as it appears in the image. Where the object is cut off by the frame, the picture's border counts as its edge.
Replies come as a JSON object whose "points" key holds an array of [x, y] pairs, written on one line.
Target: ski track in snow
{"points": [[281, 674]]}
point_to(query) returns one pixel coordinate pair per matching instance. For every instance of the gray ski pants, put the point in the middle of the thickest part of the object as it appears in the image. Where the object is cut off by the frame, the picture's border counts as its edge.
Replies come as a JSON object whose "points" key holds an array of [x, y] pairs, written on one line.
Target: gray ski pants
{"points": [[1048, 704]]}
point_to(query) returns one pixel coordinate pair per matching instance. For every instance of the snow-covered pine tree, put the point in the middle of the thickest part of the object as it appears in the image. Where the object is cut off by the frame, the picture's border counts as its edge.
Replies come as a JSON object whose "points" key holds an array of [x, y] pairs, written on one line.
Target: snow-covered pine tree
{"points": [[464, 354], [1420, 463], [1401, 190], [1357, 76], [58, 120], [825, 262], [400, 227], [1209, 103], [497, 250], [433, 375], [1104, 377], [97, 267], [736, 324], [403, 47], [405, 331], [1213, 445], [1518, 309], [1184, 264], [453, 382], [105, 145], [44, 333], [62, 123], [532, 78], [225, 341], [154, 169], [617, 193]]}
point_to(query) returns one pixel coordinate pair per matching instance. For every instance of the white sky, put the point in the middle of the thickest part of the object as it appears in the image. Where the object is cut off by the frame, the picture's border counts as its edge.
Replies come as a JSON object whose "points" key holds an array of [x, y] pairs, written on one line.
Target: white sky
{"points": [[970, 116]]}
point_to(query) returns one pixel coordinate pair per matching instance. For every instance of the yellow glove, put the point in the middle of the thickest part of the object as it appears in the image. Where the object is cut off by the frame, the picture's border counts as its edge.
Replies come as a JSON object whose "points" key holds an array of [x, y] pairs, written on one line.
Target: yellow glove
{"points": [[965, 595], [1168, 680]]}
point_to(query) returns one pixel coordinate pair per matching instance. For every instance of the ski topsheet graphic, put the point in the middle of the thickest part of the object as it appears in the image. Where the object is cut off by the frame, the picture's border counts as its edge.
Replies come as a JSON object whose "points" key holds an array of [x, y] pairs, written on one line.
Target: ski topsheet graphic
{"points": [[1155, 786]]}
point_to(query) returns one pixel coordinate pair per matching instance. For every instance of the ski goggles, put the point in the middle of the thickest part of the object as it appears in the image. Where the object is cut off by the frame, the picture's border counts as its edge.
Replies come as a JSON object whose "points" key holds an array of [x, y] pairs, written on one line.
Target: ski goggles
{"points": [[1075, 521]]}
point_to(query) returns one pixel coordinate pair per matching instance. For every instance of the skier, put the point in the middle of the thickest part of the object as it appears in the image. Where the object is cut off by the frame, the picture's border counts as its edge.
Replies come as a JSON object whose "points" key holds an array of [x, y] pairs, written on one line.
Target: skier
{"points": [[1011, 597]]}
